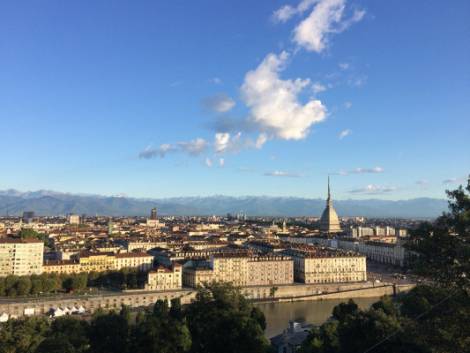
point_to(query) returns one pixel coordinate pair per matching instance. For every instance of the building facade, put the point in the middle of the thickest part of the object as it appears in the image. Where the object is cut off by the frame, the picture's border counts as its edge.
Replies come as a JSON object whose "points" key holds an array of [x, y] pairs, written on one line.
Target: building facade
{"points": [[100, 262], [317, 265], [271, 269], [165, 278], [20, 257]]}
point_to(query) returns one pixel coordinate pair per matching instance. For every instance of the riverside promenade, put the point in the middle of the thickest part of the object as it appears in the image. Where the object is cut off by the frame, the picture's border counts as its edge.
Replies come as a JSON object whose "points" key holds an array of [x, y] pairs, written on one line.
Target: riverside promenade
{"points": [[18, 307]]}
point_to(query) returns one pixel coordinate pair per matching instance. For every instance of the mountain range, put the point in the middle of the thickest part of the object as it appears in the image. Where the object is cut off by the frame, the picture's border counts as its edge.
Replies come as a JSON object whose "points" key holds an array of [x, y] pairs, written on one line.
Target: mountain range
{"points": [[51, 203]]}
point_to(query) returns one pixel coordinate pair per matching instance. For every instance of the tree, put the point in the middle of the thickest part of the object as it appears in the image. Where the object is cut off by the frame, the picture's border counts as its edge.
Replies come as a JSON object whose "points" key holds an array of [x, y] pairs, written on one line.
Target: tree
{"points": [[36, 284], [161, 331], [220, 320], [437, 318], [176, 311], [353, 330], [23, 286], [342, 310], [27, 233], [22, 336], [56, 344], [443, 248], [109, 333], [2, 286], [259, 317], [65, 335]]}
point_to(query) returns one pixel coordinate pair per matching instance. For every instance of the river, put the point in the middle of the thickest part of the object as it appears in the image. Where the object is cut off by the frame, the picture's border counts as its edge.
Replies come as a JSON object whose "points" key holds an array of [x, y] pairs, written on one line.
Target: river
{"points": [[312, 312]]}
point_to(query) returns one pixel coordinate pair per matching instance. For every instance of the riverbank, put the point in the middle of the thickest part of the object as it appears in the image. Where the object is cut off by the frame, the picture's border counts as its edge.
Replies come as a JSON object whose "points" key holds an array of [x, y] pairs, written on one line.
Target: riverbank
{"points": [[136, 299], [278, 314]]}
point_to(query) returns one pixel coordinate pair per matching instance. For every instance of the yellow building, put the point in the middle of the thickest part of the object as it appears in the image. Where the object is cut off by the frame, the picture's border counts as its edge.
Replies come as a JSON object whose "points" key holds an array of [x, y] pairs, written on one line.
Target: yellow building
{"points": [[20, 257], [97, 262], [197, 276], [141, 261], [62, 267], [101, 262], [165, 278]]}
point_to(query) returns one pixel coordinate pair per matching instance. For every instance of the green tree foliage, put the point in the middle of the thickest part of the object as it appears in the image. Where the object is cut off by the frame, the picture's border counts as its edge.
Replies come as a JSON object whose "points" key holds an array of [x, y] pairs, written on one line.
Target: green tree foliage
{"points": [[341, 311], [37, 286], [13, 286], [443, 248], [109, 333], [162, 331], [22, 336], [437, 318], [220, 320], [378, 329], [26, 233], [66, 335], [2, 286], [23, 286]]}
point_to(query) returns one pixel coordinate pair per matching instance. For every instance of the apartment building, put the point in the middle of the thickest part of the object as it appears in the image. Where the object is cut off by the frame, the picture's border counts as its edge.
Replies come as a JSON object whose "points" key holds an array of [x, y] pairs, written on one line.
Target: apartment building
{"points": [[241, 269], [165, 278], [387, 253], [20, 257], [319, 265], [271, 269], [197, 276], [141, 261], [67, 267], [100, 262]]}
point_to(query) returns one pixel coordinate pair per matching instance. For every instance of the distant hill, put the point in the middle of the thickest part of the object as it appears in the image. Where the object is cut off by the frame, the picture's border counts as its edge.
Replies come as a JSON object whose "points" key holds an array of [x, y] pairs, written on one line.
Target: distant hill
{"points": [[48, 203]]}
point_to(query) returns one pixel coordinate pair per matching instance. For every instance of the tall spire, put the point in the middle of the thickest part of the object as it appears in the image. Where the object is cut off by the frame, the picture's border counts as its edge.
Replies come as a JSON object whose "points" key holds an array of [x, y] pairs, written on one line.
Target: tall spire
{"points": [[329, 221], [328, 200], [329, 194]]}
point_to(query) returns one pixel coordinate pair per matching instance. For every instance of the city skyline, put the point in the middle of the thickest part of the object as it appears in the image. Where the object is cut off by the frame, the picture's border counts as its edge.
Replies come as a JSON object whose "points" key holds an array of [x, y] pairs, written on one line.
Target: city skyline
{"points": [[175, 99]]}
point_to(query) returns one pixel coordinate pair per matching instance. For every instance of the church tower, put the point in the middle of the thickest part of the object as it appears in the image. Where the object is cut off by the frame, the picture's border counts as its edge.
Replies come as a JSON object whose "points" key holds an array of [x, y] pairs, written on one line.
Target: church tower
{"points": [[329, 221]]}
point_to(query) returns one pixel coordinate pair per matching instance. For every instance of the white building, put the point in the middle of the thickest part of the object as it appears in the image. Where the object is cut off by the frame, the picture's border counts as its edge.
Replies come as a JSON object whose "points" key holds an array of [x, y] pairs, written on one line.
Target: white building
{"points": [[20, 257]]}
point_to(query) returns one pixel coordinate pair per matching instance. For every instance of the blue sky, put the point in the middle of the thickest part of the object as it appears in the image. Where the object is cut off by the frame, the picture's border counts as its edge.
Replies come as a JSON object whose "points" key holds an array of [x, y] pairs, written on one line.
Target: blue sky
{"points": [[175, 98]]}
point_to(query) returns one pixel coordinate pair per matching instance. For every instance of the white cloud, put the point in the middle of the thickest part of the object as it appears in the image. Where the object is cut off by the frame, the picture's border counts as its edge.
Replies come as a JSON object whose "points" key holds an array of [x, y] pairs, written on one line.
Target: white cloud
{"points": [[149, 152], [280, 173], [344, 133], [221, 162], [344, 66], [193, 148], [454, 181], [348, 104], [261, 140], [215, 80], [224, 142], [326, 18], [220, 103], [367, 170], [208, 162], [372, 189], [284, 13], [357, 81], [221, 142], [317, 87], [374, 170], [274, 103]]}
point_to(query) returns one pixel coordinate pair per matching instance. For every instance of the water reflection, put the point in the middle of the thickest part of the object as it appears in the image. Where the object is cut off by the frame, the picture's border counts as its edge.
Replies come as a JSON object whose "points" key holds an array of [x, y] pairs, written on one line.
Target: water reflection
{"points": [[313, 312]]}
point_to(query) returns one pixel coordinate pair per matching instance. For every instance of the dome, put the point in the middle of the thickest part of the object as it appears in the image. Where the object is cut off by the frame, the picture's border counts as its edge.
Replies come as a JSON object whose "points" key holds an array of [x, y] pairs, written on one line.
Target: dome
{"points": [[329, 221]]}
